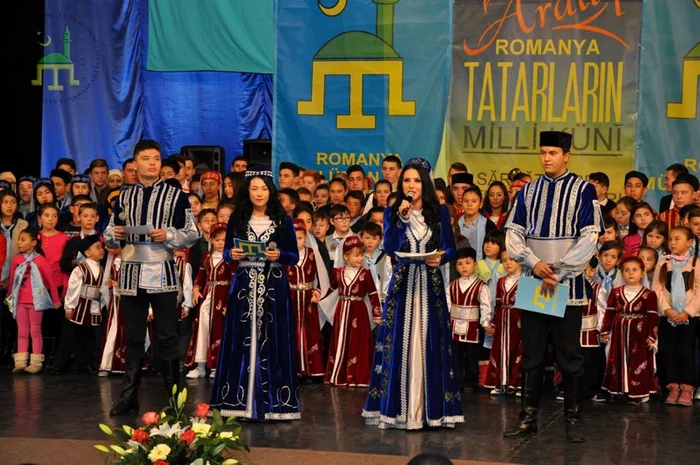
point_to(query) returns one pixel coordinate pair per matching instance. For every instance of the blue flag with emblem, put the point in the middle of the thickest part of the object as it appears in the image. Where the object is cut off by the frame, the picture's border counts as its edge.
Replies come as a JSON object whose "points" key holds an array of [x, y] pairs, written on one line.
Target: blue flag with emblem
{"points": [[531, 299], [358, 81]]}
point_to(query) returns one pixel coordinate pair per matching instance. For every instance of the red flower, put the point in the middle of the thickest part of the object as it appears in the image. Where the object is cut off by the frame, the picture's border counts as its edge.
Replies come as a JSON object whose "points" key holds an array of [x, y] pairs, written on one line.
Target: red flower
{"points": [[140, 436], [187, 437], [150, 418], [161, 462], [201, 411]]}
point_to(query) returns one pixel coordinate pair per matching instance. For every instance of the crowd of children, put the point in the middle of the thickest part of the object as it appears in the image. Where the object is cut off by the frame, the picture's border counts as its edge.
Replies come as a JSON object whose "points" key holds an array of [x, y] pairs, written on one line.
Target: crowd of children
{"points": [[640, 331]]}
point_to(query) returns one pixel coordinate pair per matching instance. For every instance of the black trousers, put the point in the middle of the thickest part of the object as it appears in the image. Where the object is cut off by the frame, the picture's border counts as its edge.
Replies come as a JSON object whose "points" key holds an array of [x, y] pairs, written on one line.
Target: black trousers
{"points": [[78, 342], [535, 328], [680, 351], [594, 369], [466, 360], [8, 332], [165, 322]]}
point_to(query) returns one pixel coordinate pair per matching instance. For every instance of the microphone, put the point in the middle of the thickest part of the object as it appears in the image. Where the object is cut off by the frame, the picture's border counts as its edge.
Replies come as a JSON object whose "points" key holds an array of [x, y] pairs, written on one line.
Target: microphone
{"points": [[409, 198], [272, 246]]}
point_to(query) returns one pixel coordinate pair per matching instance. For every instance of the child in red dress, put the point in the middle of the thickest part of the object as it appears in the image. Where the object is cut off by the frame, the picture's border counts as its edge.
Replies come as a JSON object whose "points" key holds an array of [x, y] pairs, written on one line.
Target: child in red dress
{"points": [[503, 374], [303, 279], [352, 346], [630, 329]]}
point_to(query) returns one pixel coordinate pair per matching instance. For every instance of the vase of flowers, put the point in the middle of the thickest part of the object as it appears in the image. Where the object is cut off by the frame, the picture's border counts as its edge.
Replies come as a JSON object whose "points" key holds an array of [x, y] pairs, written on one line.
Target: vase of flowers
{"points": [[170, 438]]}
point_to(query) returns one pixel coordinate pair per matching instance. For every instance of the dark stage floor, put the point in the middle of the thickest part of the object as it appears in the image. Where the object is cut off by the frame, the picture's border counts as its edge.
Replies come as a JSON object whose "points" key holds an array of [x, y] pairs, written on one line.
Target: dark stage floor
{"points": [[70, 407]]}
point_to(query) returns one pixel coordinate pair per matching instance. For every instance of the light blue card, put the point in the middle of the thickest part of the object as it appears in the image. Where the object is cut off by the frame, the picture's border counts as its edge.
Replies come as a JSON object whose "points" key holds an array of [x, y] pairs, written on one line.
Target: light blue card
{"points": [[250, 248], [530, 297]]}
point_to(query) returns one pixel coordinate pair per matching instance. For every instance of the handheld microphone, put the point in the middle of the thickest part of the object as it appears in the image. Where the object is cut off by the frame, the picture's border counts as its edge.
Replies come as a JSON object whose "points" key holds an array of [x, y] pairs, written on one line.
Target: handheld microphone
{"points": [[409, 198]]}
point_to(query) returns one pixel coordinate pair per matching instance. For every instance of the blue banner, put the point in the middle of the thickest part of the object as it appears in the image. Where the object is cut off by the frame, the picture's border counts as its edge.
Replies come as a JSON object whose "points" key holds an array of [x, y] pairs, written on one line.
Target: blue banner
{"points": [[99, 99], [358, 81], [668, 128]]}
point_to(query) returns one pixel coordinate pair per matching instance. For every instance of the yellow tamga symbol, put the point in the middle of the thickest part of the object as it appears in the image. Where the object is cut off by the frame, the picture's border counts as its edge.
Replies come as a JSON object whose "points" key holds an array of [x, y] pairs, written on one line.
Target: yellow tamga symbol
{"points": [[540, 300], [358, 54], [687, 108]]}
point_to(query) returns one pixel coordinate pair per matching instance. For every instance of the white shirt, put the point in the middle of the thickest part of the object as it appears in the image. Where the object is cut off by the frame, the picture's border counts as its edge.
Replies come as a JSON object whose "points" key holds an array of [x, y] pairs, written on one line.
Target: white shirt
{"points": [[75, 283], [485, 309], [259, 224]]}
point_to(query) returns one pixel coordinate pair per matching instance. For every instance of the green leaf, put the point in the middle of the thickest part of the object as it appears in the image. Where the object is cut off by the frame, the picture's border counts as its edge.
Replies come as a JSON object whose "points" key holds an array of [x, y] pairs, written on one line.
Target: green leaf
{"points": [[106, 429], [237, 431], [218, 449], [198, 462], [230, 421], [102, 448]]}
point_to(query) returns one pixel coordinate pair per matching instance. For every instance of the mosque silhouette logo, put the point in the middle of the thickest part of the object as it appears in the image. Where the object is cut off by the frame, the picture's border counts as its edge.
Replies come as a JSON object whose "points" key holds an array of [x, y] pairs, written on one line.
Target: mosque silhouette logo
{"points": [[56, 62], [357, 54]]}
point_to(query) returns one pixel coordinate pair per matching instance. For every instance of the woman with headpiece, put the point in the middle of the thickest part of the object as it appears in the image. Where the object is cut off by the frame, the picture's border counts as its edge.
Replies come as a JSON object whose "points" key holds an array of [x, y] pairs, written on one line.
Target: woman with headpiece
{"points": [[413, 383], [256, 374], [210, 189], [42, 192]]}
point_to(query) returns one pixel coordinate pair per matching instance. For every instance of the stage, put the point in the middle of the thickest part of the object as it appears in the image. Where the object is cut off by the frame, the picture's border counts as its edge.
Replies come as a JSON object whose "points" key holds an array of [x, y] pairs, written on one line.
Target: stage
{"points": [[47, 419]]}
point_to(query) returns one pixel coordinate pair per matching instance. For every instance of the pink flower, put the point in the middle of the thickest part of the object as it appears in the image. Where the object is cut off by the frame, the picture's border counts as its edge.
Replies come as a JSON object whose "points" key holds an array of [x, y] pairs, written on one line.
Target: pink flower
{"points": [[187, 437], [150, 418], [201, 411], [140, 436]]}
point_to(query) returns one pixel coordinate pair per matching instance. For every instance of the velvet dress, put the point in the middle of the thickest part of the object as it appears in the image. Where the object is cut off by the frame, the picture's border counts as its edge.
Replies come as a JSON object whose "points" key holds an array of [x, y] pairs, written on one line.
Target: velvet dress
{"points": [[413, 382], [256, 374]]}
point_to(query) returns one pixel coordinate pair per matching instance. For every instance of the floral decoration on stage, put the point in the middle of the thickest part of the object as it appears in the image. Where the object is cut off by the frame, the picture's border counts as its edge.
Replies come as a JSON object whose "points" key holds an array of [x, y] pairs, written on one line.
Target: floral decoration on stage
{"points": [[170, 438]]}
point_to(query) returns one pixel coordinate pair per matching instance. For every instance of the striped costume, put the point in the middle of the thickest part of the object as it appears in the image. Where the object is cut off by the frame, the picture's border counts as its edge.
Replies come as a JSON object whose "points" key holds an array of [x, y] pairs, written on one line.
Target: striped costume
{"points": [[161, 206], [556, 221]]}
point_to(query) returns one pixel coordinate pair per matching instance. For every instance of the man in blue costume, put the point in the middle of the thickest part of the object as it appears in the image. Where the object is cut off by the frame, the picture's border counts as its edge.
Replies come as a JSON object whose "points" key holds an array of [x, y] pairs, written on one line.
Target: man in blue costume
{"points": [[150, 220], [552, 231]]}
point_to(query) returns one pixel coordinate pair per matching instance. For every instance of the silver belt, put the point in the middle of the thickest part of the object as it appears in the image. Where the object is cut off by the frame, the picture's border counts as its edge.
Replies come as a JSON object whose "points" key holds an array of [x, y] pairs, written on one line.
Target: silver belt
{"points": [[349, 297], [550, 251], [143, 252], [90, 292], [219, 283], [300, 286], [257, 264], [632, 315]]}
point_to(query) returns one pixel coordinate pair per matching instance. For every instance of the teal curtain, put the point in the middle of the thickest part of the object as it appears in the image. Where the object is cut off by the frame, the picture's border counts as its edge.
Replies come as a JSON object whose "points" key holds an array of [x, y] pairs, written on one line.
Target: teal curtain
{"points": [[211, 35]]}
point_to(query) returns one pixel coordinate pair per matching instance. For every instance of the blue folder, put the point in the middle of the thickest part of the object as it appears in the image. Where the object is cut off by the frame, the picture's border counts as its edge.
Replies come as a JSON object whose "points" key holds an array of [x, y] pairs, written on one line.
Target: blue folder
{"points": [[530, 297]]}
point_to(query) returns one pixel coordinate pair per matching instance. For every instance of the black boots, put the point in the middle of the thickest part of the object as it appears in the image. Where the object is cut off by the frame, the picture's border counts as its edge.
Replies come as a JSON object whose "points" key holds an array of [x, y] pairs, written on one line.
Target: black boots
{"points": [[129, 398], [573, 396], [532, 389], [171, 374]]}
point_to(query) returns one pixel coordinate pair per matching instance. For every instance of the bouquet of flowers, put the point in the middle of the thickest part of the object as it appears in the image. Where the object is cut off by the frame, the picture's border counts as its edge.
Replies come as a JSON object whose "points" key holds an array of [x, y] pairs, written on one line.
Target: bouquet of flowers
{"points": [[170, 438]]}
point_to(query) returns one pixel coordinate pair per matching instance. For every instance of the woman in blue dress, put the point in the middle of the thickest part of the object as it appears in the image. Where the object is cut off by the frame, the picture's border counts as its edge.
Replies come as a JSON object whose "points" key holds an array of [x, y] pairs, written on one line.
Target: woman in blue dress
{"points": [[413, 383], [256, 374]]}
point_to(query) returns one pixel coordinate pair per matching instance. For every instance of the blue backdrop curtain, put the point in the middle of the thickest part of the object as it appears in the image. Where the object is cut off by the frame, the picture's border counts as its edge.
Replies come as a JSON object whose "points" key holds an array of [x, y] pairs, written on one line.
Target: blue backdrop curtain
{"points": [[114, 101]]}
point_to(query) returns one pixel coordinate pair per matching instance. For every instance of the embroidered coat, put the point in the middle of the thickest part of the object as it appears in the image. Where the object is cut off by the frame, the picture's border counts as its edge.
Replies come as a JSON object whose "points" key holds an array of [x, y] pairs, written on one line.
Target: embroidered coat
{"points": [[507, 349], [630, 322]]}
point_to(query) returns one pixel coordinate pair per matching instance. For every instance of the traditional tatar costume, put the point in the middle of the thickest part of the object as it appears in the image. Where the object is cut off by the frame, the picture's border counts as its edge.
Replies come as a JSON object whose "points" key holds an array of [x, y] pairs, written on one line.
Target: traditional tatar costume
{"points": [[303, 279], [214, 280], [351, 348]]}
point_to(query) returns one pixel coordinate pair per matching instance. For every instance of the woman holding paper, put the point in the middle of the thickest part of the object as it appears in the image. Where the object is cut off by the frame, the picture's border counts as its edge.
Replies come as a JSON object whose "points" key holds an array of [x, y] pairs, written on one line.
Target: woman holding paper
{"points": [[413, 383], [256, 374]]}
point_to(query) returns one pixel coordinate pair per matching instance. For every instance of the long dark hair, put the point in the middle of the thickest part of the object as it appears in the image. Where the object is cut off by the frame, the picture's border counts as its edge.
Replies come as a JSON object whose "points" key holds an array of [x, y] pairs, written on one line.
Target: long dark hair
{"points": [[634, 229], [244, 207], [431, 204], [487, 204], [34, 235]]}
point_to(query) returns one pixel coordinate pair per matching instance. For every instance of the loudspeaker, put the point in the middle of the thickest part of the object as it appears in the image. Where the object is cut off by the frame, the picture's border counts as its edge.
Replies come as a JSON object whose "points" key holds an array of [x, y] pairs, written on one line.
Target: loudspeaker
{"points": [[258, 152], [211, 155]]}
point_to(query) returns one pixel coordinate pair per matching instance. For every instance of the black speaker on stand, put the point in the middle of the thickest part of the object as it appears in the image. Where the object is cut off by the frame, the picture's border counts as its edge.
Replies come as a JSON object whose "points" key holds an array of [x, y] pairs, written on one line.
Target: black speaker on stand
{"points": [[211, 155], [258, 152]]}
